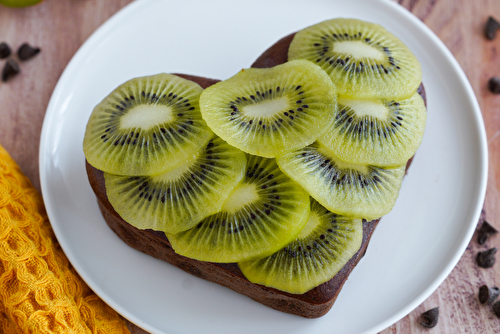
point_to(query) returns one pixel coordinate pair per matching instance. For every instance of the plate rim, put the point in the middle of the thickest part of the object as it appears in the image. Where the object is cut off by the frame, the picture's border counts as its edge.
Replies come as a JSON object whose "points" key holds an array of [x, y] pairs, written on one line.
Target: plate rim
{"points": [[484, 177], [115, 19]]}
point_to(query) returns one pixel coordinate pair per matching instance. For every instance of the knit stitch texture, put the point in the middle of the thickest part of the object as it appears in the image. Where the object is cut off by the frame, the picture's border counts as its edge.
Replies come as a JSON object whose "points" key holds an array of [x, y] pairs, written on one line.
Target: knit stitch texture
{"points": [[40, 292]]}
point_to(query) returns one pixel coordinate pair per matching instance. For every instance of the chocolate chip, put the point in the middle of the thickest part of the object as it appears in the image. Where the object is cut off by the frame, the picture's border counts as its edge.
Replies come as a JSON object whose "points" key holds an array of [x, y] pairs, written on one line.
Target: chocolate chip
{"points": [[487, 294], [496, 308], [4, 50], [26, 51], [485, 232], [494, 85], [486, 259], [430, 318], [491, 28], [10, 69]]}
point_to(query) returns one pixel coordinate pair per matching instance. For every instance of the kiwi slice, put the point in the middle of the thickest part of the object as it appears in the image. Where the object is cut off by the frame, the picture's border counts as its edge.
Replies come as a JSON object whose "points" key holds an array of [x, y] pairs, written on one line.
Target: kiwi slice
{"points": [[363, 59], [356, 190], [268, 112], [265, 212], [377, 131], [178, 199], [322, 248], [146, 126]]}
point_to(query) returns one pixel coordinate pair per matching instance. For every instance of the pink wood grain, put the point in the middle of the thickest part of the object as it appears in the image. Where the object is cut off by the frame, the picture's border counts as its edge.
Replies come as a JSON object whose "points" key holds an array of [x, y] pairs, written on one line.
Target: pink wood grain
{"points": [[60, 27]]}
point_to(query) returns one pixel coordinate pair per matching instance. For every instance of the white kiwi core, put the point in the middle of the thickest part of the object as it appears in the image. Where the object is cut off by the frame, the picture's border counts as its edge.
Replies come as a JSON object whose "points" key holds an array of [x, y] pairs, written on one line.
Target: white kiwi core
{"points": [[266, 108], [243, 195], [358, 50], [146, 117], [362, 108]]}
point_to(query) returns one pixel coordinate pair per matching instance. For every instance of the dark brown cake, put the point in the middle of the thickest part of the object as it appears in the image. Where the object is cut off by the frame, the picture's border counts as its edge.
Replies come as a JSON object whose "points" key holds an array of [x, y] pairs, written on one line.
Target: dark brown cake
{"points": [[312, 304]]}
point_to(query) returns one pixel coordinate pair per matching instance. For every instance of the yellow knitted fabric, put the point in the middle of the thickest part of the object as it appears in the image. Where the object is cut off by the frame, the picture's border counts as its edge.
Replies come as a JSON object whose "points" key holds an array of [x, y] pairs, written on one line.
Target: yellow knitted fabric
{"points": [[39, 290]]}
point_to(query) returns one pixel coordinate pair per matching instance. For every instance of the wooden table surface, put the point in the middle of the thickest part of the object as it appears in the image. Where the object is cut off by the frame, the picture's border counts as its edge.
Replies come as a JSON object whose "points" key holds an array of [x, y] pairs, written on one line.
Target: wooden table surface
{"points": [[60, 27]]}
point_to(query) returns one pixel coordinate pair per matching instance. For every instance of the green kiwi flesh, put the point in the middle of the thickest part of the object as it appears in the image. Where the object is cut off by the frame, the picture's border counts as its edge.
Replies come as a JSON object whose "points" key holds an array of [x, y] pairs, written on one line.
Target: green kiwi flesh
{"points": [[363, 59], [146, 126], [177, 200], [377, 131], [348, 189], [265, 212], [268, 112], [322, 248]]}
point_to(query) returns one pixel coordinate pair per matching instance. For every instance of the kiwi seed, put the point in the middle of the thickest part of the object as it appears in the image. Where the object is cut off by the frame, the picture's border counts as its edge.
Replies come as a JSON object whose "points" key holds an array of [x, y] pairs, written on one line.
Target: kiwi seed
{"points": [[265, 212], [322, 248], [178, 199], [146, 126], [377, 131], [363, 59], [268, 112], [348, 189]]}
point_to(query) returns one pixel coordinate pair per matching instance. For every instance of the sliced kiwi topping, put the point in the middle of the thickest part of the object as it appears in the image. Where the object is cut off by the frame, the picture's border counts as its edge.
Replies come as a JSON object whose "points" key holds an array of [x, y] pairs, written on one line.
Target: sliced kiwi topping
{"points": [[322, 248], [268, 112], [377, 131], [363, 59], [146, 126], [265, 212], [178, 199], [364, 191]]}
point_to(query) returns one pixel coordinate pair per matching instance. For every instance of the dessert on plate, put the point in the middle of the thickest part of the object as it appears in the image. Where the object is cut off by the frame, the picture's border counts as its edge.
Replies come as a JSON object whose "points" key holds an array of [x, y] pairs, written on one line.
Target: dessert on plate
{"points": [[270, 182]]}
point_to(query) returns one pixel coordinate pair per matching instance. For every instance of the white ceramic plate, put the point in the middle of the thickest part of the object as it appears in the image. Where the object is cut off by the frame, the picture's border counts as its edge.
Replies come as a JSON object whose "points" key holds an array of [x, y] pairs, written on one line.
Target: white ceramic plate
{"points": [[412, 251]]}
